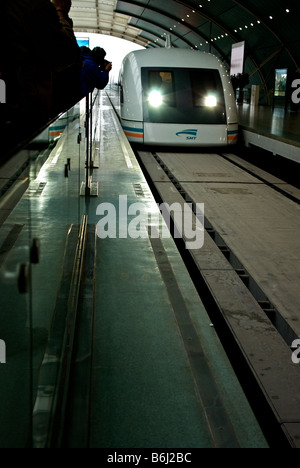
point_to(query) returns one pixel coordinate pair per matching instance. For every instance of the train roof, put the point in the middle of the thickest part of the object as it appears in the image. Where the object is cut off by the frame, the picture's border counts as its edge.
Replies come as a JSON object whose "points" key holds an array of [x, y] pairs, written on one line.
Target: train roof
{"points": [[174, 57]]}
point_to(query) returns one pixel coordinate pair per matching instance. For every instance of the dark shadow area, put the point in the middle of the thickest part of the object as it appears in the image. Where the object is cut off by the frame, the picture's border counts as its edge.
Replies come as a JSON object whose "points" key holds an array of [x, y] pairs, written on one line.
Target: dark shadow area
{"points": [[278, 166]]}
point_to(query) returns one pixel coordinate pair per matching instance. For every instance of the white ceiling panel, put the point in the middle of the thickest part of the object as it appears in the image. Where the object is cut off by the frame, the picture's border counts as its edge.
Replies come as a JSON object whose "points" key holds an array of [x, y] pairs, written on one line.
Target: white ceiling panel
{"points": [[99, 16]]}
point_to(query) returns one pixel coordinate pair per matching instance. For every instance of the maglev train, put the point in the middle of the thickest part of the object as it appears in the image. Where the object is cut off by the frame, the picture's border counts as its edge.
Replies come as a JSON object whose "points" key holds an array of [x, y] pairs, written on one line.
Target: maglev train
{"points": [[177, 97]]}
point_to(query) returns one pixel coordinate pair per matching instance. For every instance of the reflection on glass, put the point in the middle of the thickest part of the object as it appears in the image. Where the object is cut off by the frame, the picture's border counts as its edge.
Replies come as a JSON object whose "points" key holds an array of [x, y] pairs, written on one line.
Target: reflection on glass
{"points": [[38, 203], [280, 82]]}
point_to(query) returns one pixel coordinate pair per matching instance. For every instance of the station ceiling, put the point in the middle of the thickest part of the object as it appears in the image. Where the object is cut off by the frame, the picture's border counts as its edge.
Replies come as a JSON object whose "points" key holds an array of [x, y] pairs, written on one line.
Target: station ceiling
{"points": [[270, 28]]}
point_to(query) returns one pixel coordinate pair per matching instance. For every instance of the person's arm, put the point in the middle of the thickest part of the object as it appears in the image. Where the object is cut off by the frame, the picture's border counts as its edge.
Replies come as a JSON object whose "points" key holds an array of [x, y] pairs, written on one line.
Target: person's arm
{"points": [[63, 8]]}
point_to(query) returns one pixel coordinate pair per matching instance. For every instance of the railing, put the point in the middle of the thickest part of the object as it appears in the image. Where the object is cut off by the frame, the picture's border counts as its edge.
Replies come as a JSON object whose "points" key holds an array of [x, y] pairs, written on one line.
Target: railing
{"points": [[92, 143]]}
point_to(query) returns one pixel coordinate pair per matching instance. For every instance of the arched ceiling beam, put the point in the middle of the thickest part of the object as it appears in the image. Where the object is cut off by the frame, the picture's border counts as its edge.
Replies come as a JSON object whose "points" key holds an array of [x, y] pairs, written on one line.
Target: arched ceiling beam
{"points": [[163, 28], [209, 18], [256, 14], [176, 19], [152, 33], [157, 25], [235, 38], [188, 4]]}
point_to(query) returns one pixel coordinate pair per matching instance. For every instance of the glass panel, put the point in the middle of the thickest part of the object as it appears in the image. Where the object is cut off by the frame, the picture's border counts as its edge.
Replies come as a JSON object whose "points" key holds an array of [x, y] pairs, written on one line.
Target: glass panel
{"points": [[280, 82], [39, 204], [15, 303], [206, 84], [56, 211]]}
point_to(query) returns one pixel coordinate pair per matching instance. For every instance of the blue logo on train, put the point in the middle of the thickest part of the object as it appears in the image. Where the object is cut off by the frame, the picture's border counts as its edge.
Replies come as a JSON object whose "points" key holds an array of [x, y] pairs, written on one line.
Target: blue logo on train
{"points": [[191, 134]]}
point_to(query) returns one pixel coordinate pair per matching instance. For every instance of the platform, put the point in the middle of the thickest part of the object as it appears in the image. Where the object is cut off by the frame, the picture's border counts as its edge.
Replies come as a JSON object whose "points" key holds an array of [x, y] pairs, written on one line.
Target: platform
{"points": [[160, 377], [273, 130]]}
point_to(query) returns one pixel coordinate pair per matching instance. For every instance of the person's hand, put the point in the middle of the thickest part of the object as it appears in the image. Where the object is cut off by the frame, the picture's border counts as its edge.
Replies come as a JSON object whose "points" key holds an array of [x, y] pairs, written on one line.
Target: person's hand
{"points": [[108, 67], [64, 5]]}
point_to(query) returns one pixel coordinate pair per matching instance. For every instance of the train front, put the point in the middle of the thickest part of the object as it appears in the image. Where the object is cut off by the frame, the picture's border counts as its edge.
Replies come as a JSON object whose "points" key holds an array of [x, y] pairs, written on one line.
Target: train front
{"points": [[174, 97]]}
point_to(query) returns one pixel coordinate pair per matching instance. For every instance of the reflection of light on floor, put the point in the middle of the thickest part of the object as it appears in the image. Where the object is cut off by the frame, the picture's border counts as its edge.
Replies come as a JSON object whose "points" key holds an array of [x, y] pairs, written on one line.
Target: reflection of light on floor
{"points": [[253, 115], [52, 161], [277, 123]]}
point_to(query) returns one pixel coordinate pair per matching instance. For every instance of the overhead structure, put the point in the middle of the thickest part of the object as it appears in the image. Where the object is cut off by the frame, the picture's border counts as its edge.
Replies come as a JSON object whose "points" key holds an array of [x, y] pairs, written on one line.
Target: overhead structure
{"points": [[269, 28], [100, 17]]}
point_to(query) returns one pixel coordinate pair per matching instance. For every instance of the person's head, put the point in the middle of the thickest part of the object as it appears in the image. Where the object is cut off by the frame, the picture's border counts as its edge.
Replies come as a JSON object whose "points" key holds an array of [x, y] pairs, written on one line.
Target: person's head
{"points": [[99, 55], [85, 51]]}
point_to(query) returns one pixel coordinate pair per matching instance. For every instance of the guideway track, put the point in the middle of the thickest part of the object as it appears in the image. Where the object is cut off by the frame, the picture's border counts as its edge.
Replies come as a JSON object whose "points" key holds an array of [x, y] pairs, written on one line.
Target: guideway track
{"points": [[256, 339]]}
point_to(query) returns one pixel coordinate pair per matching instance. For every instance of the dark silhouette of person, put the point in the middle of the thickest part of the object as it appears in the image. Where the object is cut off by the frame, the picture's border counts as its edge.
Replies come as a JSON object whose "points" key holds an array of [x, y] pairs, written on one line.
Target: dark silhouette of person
{"points": [[39, 61], [95, 70]]}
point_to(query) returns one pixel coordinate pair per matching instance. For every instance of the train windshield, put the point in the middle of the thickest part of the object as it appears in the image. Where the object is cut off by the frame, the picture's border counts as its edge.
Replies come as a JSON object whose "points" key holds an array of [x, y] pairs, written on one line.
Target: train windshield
{"points": [[162, 83], [182, 95]]}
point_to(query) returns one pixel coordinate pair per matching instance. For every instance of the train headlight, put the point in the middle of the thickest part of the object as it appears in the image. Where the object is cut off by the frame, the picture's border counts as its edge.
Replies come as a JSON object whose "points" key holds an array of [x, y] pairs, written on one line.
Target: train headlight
{"points": [[211, 101], [155, 98]]}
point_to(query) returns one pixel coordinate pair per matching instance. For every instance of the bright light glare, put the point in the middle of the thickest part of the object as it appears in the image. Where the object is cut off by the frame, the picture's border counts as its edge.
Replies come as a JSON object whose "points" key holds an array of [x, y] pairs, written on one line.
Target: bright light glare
{"points": [[211, 101], [155, 99]]}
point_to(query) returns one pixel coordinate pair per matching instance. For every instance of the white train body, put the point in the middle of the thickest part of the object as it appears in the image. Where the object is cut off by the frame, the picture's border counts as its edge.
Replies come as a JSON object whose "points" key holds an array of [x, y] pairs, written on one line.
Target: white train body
{"points": [[177, 97]]}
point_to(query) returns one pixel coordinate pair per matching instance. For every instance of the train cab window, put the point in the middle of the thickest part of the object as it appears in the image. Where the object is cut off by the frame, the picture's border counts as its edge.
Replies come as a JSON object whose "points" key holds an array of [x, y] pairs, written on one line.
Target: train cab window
{"points": [[206, 88], [161, 85], [183, 95]]}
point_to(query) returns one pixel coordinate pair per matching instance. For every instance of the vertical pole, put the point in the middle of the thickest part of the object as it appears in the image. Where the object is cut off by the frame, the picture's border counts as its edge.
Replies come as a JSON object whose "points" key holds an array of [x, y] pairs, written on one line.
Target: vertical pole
{"points": [[87, 130], [91, 131]]}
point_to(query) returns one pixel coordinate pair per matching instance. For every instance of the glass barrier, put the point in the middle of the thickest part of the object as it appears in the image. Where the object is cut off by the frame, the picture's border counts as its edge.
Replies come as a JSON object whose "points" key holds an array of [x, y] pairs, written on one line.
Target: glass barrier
{"points": [[42, 201]]}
